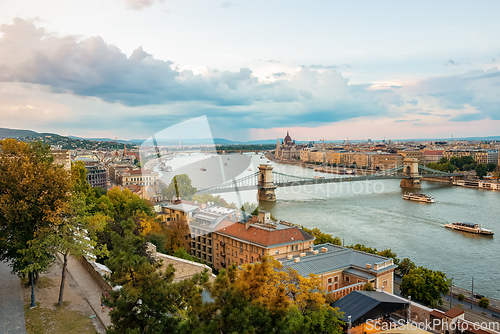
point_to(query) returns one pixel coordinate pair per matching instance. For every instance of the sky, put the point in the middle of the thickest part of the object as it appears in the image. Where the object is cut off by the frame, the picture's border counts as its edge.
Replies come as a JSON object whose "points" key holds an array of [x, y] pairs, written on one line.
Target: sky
{"points": [[256, 69]]}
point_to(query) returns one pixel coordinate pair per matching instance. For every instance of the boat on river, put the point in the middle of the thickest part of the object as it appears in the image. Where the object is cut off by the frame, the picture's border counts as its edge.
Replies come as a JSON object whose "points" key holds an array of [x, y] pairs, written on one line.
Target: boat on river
{"points": [[419, 198], [469, 227]]}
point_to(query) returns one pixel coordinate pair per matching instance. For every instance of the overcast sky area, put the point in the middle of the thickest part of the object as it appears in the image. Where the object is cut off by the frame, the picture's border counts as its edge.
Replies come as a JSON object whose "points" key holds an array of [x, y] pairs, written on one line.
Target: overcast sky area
{"points": [[332, 69]]}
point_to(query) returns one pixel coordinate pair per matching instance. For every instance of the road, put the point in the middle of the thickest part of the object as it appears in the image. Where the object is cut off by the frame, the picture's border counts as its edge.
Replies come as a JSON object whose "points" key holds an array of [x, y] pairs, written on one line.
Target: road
{"points": [[11, 302], [475, 314]]}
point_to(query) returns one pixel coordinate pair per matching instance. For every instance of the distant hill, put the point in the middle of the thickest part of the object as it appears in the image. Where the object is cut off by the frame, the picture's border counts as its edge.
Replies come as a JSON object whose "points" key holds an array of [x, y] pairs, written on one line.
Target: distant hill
{"points": [[14, 133]]}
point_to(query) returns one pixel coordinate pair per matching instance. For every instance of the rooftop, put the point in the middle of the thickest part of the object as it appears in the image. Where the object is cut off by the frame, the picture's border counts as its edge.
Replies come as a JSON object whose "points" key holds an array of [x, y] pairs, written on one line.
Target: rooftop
{"points": [[338, 258], [258, 234]]}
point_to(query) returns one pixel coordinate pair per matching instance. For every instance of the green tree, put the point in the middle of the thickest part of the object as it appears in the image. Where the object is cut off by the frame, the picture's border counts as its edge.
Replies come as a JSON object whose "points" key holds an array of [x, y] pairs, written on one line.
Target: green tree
{"points": [[33, 196], [443, 160], [149, 301], [481, 170], [206, 197], [389, 254], [490, 166], [180, 186], [461, 297], [425, 286], [405, 266], [323, 238], [484, 303], [368, 287]]}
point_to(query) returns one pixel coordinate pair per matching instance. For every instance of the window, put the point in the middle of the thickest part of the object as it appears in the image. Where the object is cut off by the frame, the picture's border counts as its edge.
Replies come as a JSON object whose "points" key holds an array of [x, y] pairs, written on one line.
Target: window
{"points": [[216, 246], [217, 255], [384, 283], [246, 257], [336, 279], [347, 278], [252, 258], [241, 261], [336, 286], [330, 280], [262, 251], [359, 281], [296, 247], [277, 251]]}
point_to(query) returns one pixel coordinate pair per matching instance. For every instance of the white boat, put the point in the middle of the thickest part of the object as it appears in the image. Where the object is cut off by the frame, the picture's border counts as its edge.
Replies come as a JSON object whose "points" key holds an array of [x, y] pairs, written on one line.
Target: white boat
{"points": [[249, 169], [419, 198], [469, 227]]}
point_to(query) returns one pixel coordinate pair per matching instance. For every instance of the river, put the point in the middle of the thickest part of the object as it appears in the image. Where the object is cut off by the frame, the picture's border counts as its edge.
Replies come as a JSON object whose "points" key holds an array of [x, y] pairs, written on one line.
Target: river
{"points": [[374, 214]]}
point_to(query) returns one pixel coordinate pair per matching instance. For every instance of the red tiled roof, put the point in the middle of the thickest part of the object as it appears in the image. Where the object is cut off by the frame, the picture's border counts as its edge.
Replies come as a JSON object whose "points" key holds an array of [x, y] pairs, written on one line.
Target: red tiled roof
{"points": [[437, 314], [454, 312], [261, 236]]}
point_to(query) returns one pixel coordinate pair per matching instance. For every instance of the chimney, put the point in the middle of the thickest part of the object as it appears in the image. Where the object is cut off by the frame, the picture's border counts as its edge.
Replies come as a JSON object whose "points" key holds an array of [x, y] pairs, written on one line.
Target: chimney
{"points": [[368, 266], [289, 257], [302, 254], [247, 225], [297, 259], [324, 249], [315, 252]]}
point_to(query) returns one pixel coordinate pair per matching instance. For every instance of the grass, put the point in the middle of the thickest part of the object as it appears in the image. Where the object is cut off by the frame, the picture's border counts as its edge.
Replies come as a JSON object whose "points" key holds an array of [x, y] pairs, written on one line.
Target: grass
{"points": [[43, 282], [58, 321]]}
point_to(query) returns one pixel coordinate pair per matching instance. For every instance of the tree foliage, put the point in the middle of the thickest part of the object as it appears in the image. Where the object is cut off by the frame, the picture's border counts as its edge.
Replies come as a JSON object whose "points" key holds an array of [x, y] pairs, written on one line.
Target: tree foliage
{"points": [[481, 170], [322, 238], [149, 301], [206, 198], [405, 266], [484, 303], [180, 186], [425, 286], [263, 298], [33, 196]]}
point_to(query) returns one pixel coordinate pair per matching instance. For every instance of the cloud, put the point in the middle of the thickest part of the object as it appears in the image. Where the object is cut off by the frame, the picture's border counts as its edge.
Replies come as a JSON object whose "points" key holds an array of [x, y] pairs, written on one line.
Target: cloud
{"points": [[413, 102], [93, 68], [140, 4], [450, 62], [407, 120], [279, 74]]}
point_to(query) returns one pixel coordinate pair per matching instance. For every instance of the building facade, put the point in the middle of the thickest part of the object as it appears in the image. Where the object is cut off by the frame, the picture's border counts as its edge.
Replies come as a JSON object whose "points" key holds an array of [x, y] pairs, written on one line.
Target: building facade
{"points": [[386, 160], [343, 270], [97, 175]]}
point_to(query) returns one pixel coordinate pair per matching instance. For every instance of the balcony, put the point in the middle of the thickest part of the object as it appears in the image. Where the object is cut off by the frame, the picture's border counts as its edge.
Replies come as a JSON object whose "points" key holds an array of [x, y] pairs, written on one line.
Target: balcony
{"points": [[222, 243], [223, 254]]}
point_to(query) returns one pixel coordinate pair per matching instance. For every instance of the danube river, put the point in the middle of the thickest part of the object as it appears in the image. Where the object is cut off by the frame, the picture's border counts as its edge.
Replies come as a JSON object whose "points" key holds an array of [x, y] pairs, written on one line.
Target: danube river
{"points": [[374, 214]]}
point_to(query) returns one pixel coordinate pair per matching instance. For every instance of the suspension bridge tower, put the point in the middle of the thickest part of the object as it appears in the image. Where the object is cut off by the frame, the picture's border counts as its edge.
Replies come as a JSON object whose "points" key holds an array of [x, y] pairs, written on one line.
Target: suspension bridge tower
{"points": [[411, 171], [266, 185]]}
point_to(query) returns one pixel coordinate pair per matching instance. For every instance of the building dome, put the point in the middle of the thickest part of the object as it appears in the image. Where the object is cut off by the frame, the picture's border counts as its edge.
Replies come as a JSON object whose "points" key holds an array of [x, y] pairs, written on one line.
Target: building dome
{"points": [[288, 139]]}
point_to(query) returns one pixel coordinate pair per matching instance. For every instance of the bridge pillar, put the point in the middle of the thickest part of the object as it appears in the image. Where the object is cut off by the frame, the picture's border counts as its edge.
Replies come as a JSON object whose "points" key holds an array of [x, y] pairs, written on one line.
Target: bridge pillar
{"points": [[266, 186], [411, 170]]}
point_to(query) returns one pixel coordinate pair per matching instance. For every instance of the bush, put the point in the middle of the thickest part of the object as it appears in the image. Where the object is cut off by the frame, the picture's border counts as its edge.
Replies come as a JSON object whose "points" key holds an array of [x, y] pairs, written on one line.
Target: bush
{"points": [[368, 287], [484, 303], [461, 297]]}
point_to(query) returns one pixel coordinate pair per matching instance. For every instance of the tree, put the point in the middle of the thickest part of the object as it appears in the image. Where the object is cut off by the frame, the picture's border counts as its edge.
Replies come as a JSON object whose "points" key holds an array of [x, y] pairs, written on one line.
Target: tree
{"points": [[484, 303], [425, 286], [481, 170], [461, 297], [148, 302], [177, 233], [405, 266], [33, 194], [389, 254], [368, 287], [443, 160], [180, 186], [263, 298], [490, 166], [323, 238], [206, 197]]}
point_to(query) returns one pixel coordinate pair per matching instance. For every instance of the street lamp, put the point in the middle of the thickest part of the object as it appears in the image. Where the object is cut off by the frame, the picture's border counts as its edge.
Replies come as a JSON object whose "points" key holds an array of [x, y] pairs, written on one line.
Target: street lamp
{"points": [[33, 303], [451, 291]]}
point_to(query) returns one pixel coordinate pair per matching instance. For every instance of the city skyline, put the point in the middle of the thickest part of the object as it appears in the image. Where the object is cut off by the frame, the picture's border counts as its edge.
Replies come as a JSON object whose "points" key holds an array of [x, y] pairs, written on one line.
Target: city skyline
{"points": [[131, 68]]}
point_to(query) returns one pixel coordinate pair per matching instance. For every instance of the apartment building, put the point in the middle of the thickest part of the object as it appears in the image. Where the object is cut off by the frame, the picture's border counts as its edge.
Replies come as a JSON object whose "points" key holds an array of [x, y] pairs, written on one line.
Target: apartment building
{"points": [[486, 156], [335, 157], [116, 169], [411, 153], [431, 156], [386, 160], [247, 241], [96, 174], [62, 157], [140, 177], [343, 270]]}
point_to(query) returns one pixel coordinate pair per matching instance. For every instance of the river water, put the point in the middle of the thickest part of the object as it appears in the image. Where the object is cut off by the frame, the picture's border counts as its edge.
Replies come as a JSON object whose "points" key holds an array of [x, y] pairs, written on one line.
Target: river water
{"points": [[374, 214]]}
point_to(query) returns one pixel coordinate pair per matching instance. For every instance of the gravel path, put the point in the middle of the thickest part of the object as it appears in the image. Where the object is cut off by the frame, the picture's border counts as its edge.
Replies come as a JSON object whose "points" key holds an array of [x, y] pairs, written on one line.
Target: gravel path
{"points": [[11, 302]]}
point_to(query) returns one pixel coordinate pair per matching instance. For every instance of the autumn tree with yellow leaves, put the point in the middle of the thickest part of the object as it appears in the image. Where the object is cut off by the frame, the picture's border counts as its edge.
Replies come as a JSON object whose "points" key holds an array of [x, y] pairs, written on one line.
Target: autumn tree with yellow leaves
{"points": [[263, 298]]}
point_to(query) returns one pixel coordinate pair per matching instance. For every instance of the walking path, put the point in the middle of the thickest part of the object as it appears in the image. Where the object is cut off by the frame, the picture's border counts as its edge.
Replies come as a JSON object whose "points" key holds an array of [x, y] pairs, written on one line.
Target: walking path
{"points": [[11, 302], [89, 288]]}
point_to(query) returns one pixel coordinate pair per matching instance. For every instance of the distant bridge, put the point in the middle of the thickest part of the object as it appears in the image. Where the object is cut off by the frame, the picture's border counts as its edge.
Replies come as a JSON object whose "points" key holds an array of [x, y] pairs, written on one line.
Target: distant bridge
{"points": [[266, 181]]}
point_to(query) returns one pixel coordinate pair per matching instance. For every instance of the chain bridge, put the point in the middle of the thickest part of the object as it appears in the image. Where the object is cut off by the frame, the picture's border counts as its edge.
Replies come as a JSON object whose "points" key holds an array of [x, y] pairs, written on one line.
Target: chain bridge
{"points": [[266, 181]]}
